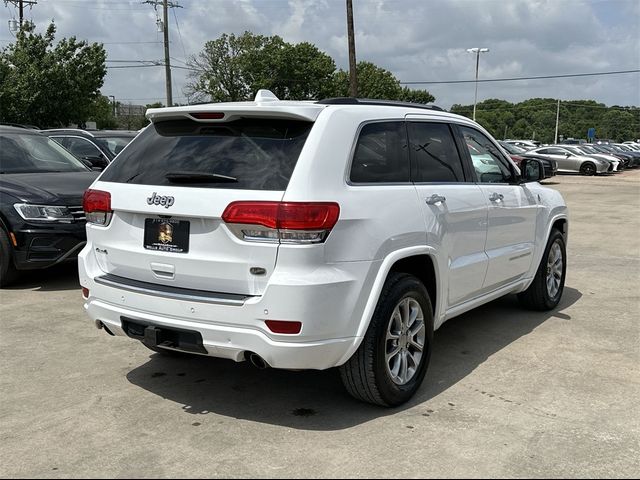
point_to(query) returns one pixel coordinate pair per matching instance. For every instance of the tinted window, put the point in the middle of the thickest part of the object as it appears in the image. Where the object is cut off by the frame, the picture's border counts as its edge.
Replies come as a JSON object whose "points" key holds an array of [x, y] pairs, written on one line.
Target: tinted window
{"points": [[434, 153], [381, 154], [24, 153], [489, 164], [259, 154], [81, 147]]}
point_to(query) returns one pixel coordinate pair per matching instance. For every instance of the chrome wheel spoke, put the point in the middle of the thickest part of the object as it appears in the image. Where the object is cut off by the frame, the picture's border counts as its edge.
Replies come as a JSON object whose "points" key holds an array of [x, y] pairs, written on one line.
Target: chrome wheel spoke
{"points": [[405, 341], [555, 266]]}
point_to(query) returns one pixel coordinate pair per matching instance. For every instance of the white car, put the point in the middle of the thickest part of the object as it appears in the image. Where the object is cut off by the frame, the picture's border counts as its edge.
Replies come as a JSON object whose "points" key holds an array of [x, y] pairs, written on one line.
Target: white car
{"points": [[311, 235]]}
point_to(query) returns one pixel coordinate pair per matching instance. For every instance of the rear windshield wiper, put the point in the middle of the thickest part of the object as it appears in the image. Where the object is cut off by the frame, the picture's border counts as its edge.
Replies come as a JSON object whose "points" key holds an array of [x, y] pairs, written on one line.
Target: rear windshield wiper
{"points": [[199, 177]]}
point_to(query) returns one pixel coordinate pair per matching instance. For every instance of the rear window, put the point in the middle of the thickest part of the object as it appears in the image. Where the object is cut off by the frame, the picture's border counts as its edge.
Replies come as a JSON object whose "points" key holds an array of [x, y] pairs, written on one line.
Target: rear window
{"points": [[249, 154]]}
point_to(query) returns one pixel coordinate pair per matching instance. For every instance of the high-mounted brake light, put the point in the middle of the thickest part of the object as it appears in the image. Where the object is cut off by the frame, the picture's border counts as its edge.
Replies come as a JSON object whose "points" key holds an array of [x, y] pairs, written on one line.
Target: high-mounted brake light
{"points": [[97, 207], [285, 222], [207, 115]]}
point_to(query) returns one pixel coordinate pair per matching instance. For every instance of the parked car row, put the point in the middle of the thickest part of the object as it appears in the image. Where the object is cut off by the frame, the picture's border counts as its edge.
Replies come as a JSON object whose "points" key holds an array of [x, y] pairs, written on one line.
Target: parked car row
{"points": [[42, 221], [583, 158]]}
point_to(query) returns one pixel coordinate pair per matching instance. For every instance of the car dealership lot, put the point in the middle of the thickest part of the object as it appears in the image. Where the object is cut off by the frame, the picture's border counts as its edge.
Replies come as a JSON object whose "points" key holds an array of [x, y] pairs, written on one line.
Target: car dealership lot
{"points": [[509, 392]]}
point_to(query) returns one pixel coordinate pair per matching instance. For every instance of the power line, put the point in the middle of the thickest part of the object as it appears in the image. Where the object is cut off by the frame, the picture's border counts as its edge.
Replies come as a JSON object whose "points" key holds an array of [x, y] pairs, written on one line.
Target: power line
{"points": [[619, 72]]}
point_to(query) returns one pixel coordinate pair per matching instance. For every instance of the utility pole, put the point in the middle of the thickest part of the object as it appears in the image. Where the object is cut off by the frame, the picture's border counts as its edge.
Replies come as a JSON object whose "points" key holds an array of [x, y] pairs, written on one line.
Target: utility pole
{"points": [[557, 119], [21, 4], [353, 79], [166, 4]]}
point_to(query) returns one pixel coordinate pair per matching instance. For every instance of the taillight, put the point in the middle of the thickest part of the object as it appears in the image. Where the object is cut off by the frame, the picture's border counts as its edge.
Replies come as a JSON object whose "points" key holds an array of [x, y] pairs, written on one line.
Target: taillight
{"points": [[284, 222], [97, 207], [85, 292]]}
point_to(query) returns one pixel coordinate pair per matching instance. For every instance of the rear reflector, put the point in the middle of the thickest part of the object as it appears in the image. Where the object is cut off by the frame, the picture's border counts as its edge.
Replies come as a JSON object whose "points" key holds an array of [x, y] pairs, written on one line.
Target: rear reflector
{"points": [[85, 292], [284, 215], [208, 115], [284, 327]]}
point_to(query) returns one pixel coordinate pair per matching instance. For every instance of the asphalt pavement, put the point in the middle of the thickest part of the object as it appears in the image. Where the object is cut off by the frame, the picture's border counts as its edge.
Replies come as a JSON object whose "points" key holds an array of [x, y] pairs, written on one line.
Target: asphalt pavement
{"points": [[509, 393]]}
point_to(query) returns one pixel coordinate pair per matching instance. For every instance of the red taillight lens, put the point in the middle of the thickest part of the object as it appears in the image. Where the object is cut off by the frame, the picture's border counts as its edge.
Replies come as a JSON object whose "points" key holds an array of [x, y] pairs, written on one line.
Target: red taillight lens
{"points": [[208, 115], [284, 215], [308, 216], [281, 326], [96, 201], [85, 292], [252, 213], [97, 206]]}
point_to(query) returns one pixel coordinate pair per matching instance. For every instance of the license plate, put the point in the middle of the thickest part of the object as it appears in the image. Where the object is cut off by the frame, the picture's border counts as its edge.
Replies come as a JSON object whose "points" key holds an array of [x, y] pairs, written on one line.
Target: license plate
{"points": [[166, 235]]}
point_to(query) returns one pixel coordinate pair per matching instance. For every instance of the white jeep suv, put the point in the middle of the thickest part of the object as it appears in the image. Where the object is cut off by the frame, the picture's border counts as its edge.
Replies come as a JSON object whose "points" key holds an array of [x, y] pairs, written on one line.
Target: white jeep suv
{"points": [[311, 235]]}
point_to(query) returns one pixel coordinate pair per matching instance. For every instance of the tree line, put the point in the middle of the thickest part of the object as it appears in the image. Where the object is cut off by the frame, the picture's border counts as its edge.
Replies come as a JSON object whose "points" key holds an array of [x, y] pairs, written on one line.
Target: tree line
{"points": [[536, 119]]}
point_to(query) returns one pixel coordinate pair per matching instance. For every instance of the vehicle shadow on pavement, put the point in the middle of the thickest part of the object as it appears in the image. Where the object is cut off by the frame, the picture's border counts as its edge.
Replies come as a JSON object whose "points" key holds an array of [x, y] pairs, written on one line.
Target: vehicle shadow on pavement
{"points": [[316, 400], [52, 279]]}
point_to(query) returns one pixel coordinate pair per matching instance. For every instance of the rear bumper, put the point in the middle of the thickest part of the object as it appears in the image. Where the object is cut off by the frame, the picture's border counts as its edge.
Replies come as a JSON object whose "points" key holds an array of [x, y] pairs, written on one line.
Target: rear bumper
{"points": [[328, 304]]}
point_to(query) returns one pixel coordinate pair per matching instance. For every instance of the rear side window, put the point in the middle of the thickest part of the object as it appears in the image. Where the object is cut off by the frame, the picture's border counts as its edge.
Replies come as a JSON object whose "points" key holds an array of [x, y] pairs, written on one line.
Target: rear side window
{"points": [[434, 153], [249, 154], [381, 154]]}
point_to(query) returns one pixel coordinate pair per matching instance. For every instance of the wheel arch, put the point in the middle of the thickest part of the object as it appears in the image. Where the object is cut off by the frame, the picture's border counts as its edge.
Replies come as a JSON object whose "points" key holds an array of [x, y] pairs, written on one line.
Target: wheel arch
{"points": [[407, 260]]}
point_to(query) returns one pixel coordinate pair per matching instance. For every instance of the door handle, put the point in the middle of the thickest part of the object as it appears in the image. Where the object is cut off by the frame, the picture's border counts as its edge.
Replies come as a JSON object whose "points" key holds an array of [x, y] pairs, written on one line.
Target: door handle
{"points": [[435, 199], [496, 197]]}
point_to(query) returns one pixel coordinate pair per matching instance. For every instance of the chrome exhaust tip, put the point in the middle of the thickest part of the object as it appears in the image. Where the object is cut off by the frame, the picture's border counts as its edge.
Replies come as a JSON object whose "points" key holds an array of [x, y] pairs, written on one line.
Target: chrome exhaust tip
{"points": [[257, 361]]}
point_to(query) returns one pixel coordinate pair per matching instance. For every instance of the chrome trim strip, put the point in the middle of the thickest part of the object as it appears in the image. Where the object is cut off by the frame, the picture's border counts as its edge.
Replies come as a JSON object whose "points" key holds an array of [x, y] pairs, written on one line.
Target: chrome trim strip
{"points": [[175, 293]]}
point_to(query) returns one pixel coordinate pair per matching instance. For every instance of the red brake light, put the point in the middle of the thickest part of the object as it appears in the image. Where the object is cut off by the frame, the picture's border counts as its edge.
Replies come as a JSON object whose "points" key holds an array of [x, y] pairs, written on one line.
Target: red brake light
{"points": [[96, 201], [308, 216], [252, 213], [208, 115], [284, 215], [97, 207], [281, 326]]}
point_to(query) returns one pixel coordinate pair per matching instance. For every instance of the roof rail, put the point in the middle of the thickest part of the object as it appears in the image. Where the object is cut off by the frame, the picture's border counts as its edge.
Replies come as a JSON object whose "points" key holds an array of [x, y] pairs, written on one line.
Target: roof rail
{"points": [[373, 101]]}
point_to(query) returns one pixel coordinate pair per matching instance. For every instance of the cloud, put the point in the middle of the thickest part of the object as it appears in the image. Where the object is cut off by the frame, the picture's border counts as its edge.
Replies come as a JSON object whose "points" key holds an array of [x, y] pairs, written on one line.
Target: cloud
{"points": [[418, 40]]}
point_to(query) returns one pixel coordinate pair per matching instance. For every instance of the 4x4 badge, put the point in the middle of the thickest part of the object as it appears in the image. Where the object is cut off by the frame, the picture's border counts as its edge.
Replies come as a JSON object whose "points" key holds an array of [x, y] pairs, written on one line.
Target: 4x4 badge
{"points": [[156, 199]]}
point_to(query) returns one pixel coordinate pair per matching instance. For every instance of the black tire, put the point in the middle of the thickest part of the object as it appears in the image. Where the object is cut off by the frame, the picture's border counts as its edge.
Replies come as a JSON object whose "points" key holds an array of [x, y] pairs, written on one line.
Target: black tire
{"points": [[537, 296], [8, 272], [366, 376], [588, 169]]}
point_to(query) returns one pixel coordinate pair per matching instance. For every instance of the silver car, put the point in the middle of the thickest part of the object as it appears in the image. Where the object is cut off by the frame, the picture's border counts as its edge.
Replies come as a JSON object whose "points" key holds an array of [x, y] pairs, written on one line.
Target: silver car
{"points": [[569, 162], [618, 165]]}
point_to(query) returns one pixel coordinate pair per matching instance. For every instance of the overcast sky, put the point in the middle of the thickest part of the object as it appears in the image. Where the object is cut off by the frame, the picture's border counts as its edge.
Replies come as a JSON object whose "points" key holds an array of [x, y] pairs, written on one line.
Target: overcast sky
{"points": [[417, 40]]}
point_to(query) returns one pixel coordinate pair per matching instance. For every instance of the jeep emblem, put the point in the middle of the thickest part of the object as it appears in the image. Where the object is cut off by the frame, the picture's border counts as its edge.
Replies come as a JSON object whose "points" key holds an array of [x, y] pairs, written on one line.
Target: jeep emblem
{"points": [[156, 199]]}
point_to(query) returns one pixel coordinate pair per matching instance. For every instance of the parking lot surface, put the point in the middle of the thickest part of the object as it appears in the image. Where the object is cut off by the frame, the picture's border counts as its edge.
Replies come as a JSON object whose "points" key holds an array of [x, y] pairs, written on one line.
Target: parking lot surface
{"points": [[509, 393]]}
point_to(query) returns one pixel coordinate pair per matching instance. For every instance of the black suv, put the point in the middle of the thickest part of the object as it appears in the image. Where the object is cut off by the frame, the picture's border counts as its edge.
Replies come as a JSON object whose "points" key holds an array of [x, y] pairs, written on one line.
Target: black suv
{"points": [[98, 147], [41, 218]]}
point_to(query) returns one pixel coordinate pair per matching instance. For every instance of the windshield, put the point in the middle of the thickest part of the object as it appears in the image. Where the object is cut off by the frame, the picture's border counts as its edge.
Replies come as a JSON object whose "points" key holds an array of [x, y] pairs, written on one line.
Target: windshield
{"points": [[512, 149], [28, 153], [251, 154], [588, 149], [114, 144]]}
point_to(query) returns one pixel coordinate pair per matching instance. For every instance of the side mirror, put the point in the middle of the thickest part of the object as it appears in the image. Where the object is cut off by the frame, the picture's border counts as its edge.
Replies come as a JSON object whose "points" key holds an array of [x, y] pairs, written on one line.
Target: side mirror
{"points": [[532, 170]]}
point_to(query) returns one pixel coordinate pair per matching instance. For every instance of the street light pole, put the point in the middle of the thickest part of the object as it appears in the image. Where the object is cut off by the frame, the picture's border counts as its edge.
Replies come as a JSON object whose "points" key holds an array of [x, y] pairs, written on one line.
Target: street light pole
{"points": [[477, 51], [113, 103]]}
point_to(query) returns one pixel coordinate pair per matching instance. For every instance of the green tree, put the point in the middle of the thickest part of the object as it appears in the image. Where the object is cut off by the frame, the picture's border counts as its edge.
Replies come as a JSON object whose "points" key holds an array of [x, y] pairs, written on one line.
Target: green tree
{"points": [[376, 82], [47, 85], [234, 68], [102, 113]]}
